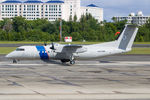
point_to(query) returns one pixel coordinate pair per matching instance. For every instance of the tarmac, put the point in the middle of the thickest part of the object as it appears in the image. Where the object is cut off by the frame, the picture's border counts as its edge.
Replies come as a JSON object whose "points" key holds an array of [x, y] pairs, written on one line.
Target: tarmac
{"points": [[120, 77]]}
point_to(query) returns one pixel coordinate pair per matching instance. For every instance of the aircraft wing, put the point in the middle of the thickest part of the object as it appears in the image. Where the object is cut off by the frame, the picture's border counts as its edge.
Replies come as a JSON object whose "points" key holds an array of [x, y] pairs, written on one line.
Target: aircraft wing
{"points": [[73, 46], [72, 49]]}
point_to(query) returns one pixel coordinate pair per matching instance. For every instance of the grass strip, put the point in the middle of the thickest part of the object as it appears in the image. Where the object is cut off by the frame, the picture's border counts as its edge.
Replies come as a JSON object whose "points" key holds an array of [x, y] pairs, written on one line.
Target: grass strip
{"points": [[6, 50], [140, 51]]}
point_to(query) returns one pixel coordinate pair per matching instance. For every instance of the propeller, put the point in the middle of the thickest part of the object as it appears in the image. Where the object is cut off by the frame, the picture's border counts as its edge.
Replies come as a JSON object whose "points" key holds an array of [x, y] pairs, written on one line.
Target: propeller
{"points": [[53, 48]]}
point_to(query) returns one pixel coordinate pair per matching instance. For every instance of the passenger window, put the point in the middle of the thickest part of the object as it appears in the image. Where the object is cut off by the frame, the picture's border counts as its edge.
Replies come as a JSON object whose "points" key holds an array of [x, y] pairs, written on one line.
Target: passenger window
{"points": [[20, 49]]}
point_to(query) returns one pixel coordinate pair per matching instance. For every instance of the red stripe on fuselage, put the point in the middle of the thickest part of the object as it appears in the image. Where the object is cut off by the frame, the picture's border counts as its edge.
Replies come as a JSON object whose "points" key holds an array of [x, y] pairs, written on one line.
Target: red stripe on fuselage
{"points": [[47, 53]]}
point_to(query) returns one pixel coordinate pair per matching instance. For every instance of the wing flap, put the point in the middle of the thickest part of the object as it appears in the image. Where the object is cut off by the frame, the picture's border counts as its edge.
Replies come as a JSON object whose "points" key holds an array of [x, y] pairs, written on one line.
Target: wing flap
{"points": [[75, 48], [72, 49]]}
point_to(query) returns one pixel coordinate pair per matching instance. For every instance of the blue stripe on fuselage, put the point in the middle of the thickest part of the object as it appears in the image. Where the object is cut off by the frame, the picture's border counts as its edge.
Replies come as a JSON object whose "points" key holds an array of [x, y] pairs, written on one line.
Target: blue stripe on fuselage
{"points": [[42, 52]]}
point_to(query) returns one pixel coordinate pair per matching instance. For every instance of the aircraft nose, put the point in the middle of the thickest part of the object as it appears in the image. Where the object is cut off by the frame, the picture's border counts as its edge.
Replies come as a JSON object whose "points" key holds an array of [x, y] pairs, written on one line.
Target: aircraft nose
{"points": [[8, 56]]}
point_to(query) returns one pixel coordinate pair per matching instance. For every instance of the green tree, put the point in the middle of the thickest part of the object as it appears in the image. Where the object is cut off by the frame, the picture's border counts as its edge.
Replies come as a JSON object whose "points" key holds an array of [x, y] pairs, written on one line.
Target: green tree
{"points": [[87, 28], [75, 18], [20, 24], [6, 25], [76, 36]]}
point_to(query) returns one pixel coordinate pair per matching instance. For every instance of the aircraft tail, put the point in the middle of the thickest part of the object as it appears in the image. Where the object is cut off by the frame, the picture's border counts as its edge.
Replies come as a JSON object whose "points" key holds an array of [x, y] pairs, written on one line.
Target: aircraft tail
{"points": [[127, 37]]}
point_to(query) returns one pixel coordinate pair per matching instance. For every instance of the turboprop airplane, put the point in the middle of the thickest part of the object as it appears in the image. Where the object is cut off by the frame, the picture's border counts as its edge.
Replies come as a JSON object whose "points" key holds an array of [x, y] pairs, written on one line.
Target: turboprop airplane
{"points": [[70, 53]]}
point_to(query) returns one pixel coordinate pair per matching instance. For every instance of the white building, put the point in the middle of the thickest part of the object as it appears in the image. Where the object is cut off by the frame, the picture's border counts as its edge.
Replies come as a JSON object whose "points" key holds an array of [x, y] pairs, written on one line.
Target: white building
{"points": [[74, 8], [51, 10], [94, 10], [133, 18]]}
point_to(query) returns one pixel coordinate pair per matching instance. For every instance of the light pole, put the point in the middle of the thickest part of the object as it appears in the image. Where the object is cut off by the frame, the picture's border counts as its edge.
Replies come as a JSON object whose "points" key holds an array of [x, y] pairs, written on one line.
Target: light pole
{"points": [[60, 29]]}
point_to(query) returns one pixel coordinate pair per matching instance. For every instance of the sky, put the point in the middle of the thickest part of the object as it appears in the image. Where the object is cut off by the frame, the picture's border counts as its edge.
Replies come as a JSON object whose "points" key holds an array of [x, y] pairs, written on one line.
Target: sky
{"points": [[119, 7]]}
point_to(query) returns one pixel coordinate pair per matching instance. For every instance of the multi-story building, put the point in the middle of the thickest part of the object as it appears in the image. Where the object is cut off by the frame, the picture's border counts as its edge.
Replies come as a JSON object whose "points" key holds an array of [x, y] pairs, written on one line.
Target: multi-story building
{"points": [[138, 19], [51, 10], [31, 10], [94, 10]]}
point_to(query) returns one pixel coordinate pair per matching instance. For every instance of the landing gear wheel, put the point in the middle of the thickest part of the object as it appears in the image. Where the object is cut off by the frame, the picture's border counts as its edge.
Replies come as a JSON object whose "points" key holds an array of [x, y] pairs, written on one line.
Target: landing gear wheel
{"points": [[14, 61], [64, 61], [72, 62]]}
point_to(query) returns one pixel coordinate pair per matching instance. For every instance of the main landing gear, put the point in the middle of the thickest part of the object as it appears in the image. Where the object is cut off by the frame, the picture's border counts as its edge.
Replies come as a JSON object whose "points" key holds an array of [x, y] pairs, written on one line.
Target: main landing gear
{"points": [[72, 61], [14, 61], [64, 61]]}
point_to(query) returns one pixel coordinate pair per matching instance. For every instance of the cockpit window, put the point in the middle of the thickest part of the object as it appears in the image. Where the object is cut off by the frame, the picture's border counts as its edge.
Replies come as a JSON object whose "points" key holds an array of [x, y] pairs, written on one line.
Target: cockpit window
{"points": [[20, 49]]}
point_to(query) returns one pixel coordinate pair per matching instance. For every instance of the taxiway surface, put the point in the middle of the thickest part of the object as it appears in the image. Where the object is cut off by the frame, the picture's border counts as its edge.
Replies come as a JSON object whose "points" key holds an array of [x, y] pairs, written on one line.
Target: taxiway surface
{"points": [[111, 78]]}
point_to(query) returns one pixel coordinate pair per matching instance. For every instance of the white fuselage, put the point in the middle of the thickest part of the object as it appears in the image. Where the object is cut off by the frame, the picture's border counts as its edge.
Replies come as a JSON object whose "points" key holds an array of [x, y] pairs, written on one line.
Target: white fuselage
{"points": [[45, 53]]}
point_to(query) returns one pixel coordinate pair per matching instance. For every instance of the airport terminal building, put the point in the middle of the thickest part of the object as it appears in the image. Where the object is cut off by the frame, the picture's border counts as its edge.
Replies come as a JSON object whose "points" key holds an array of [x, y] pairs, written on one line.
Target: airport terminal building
{"points": [[51, 10]]}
